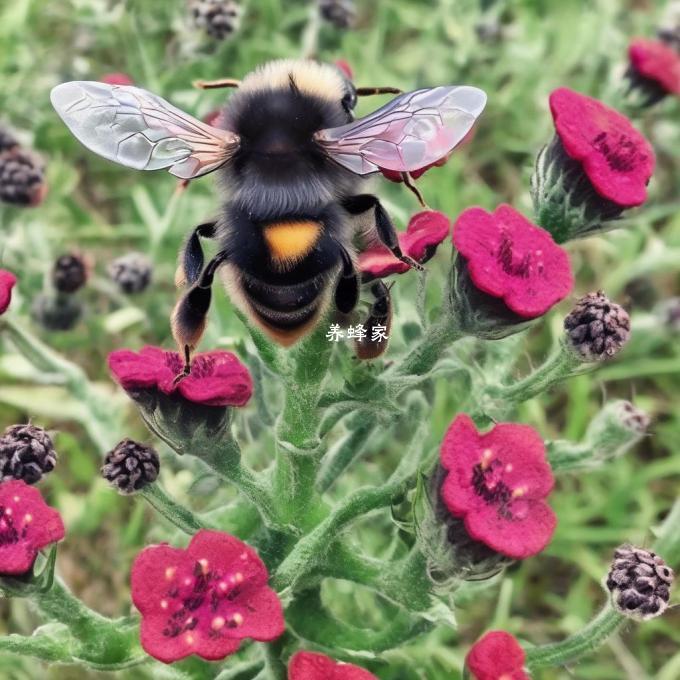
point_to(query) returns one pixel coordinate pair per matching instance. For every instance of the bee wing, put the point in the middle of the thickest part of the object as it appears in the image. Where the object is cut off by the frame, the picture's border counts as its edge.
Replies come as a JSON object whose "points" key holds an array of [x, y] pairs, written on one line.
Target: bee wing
{"points": [[140, 130], [410, 132]]}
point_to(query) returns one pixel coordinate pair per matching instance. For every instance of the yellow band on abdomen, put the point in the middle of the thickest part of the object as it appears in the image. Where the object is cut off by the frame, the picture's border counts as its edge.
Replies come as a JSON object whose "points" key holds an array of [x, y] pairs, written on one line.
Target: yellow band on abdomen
{"points": [[289, 242]]}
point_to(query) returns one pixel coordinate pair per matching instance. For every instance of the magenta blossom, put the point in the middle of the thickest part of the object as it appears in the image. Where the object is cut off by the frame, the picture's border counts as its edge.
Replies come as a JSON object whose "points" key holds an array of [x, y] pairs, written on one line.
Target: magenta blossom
{"points": [[311, 666], [510, 258], [217, 378], [656, 61], [497, 656], [203, 600], [425, 231], [7, 282], [27, 525], [497, 483], [617, 159]]}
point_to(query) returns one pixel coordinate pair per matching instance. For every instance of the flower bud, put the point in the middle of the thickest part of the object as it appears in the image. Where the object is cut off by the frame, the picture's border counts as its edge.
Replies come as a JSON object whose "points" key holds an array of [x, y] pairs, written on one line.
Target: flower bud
{"points": [[60, 312], [639, 582], [669, 312], [26, 453], [615, 429], [22, 180], [69, 273], [130, 466], [340, 13], [132, 272], [218, 18], [597, 328]]}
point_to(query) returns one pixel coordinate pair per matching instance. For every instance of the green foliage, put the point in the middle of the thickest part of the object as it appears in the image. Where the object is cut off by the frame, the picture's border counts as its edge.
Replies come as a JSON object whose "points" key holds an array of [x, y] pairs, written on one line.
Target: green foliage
{"points": [[106, 210]]}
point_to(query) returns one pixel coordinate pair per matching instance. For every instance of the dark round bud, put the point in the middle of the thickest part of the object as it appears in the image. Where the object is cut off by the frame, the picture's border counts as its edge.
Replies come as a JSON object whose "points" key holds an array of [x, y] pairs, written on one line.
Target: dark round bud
{"points": [[670, 314], [69, 273], [132, 272], [597, 328], [340, 13], [7, 140], [639, 581], [218, 18], [58, 312], [26, 453], [21, 177], [130, 466]]}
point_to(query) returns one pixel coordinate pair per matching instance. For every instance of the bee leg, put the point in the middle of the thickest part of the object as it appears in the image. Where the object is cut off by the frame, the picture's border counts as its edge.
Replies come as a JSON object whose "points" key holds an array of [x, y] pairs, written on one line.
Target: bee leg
{"points": [[408, 183], [191, 259], [347, 289], [387, 234], [378, 324], [215, 84], [189, 316]]}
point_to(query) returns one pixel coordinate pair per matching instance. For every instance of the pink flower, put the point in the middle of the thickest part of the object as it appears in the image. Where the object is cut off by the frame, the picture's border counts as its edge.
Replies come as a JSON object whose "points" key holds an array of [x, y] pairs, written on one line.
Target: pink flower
{"points": [[7, 282], [497, 483], [497, 656], [217, 378], [425, 231], [656, 61], [203, 600], [510, 258], [616, 158], [27, 525], [116, 79], [310, 666]]}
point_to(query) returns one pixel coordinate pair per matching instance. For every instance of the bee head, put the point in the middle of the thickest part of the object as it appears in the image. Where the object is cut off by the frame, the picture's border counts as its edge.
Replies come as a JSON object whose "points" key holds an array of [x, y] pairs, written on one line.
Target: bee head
{"points": [[278, 107]]}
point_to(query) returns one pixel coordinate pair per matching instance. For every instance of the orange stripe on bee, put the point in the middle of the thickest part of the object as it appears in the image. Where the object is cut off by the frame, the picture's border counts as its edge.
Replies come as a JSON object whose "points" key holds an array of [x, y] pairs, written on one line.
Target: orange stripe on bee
{"points": [[289, 242]]}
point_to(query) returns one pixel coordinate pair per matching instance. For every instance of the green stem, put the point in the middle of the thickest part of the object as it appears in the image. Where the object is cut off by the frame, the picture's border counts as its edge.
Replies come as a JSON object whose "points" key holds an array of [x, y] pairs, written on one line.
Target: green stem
{"points": [[347, 451], [273, 663], [575, 646], [38, 646], [404, 582], [309, 620], [422, 358], [177, 514], [224, 459], [310, 550], [562, 364]]}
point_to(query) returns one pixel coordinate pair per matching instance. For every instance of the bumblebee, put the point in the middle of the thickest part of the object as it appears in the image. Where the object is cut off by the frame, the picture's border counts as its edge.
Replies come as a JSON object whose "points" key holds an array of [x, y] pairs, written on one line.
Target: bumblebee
{"points": [[291, 159]]}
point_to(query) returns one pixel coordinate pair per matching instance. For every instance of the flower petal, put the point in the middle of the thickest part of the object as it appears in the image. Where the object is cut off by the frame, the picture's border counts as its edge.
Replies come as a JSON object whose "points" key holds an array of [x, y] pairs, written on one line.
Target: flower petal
{"points": [[425, 231], [496, 655]]}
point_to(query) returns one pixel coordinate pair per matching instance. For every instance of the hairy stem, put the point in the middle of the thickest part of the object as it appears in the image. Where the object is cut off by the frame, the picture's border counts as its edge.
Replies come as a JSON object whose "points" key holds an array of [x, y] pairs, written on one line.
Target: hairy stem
{"points": [[177, 514]]}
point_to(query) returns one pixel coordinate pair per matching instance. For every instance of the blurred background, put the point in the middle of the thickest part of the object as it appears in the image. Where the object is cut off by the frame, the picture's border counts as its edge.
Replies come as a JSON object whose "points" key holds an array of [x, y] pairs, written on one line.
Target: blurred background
{"points": [[517, 52]]}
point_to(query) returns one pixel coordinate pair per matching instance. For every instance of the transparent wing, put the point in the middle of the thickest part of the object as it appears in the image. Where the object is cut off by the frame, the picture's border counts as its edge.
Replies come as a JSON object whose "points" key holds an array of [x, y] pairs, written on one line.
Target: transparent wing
{"points": [[140, 130], [410, 132]]}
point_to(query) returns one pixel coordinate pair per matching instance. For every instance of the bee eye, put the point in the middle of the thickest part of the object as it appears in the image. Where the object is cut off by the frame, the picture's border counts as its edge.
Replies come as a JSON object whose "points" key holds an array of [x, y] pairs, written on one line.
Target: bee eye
{"points": [[349, 101]]}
